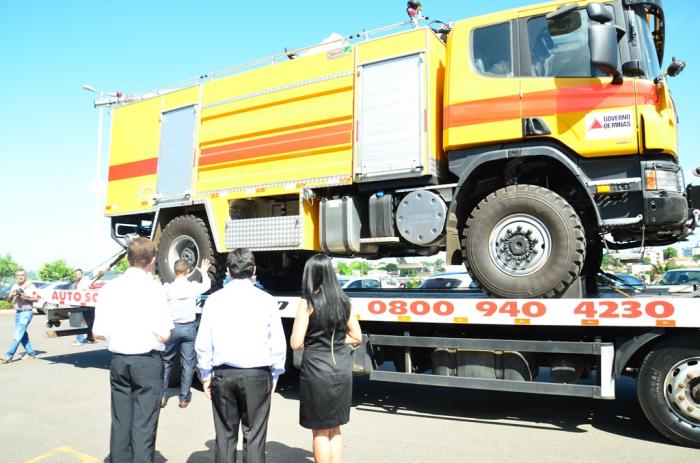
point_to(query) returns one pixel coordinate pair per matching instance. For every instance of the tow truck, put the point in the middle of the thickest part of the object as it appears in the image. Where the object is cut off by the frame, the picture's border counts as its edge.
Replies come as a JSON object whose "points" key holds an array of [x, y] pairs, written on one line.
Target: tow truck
{"points": [[521, 143], [577, 345]]}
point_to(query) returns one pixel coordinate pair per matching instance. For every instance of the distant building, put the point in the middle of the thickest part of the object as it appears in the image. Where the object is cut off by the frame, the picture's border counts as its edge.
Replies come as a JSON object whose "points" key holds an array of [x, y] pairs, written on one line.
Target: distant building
{"points": [[683, 262], [687, 252], [633, 256], [411, 269], [638, 269]]}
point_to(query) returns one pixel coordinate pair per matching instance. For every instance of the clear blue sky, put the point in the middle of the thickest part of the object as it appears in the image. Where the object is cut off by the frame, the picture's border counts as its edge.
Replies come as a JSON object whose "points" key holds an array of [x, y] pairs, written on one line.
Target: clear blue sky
{"points": [[49, 49]]}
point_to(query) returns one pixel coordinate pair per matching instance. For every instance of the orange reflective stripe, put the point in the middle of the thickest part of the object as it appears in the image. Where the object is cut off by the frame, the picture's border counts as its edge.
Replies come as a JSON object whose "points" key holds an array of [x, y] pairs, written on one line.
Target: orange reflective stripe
{"points": [[578, 99], [544, 103], [296, 141], [482, 111], [647, 93], [133, 169]]}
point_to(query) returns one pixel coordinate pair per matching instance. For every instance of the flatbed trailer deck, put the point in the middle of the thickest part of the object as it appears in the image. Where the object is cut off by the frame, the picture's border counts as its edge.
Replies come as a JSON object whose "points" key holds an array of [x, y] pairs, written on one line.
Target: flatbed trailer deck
{"points": [[576, 346]]}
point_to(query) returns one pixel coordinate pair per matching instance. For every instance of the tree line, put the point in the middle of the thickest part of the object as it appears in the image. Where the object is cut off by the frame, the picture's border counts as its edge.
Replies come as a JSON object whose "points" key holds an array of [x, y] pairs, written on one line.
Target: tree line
{"points": [[56, 270]]}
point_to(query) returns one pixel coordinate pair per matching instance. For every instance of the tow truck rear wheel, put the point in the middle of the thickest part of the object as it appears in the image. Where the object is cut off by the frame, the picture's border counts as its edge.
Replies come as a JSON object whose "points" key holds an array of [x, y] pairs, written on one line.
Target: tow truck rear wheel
{"points": [[524, 241], [668, 390], [186, 237]]}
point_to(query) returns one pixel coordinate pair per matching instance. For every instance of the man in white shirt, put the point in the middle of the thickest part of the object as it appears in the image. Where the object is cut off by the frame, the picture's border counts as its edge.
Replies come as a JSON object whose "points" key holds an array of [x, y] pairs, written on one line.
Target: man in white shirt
{"points": [[241, 351], [182, 299], [132, 316], [82, 283]]}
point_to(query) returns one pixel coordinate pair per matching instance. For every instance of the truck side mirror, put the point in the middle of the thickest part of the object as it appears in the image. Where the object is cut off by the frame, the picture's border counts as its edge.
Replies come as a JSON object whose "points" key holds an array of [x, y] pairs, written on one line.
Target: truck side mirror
{"points": [[602, 40], [676, 67], [673, 69], [599, 13]]}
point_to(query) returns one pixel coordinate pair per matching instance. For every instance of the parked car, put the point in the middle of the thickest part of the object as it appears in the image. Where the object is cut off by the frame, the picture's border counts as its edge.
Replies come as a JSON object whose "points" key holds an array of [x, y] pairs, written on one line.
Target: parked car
{"points": [[679, 280], [360, 283], [628, 280], [449, 280], [45, 292], [5, 292]]}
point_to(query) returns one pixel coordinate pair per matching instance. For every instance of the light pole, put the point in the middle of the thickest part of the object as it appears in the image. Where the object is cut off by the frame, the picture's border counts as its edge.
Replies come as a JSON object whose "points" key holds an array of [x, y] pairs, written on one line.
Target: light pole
{"points": [[99, 104], [98, 154]]}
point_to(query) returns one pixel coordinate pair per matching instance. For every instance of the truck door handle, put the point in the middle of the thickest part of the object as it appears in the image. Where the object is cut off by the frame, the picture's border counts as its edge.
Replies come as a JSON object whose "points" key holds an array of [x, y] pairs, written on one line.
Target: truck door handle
{"points": [[535, 126]]}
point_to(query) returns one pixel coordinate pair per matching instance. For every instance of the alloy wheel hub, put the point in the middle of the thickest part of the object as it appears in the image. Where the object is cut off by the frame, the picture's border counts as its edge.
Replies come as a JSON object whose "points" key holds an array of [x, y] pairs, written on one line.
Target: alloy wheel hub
{"points": [[185, 248]]}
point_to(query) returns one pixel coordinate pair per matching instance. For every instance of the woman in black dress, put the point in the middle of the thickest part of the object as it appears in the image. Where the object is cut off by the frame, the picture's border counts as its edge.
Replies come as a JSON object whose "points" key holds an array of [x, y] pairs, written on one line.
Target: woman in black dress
{"points": [[324, 327]]}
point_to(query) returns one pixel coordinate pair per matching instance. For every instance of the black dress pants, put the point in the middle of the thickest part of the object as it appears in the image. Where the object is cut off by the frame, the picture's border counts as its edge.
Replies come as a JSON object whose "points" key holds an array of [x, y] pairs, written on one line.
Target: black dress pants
{"points": [[89, 316], [241, 396], [137, 386]]}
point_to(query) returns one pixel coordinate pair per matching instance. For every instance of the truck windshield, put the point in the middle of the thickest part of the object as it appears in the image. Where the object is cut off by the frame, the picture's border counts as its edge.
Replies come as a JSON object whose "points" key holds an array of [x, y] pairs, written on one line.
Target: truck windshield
{"points": [[649, 58]]}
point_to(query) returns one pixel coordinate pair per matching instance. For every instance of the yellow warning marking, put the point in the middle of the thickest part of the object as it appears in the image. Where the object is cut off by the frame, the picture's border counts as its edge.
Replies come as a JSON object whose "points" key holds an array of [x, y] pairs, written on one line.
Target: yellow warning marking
{"points": [[404, 318], [522, 321], [64, 450], [665, 323], [461, 320], [590, 322]]}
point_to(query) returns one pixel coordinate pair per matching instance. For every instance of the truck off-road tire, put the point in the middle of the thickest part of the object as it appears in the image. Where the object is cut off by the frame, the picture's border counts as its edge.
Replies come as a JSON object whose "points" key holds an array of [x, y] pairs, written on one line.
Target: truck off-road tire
{"points": [[524, 241], [668, 389], [187, 237]]}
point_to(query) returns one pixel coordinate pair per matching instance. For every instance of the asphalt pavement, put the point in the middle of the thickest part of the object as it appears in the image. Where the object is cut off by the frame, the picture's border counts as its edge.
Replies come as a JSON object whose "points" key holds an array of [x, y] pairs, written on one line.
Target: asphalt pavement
{"points": [[56, 409]]}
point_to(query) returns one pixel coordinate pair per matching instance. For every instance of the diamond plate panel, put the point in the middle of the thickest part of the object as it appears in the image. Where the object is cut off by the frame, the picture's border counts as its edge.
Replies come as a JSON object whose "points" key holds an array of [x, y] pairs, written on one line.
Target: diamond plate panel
{"points": [[264, 232]]}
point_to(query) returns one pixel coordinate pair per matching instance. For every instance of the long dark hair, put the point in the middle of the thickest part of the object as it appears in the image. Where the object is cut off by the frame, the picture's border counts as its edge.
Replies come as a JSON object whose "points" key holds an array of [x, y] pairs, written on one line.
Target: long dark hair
{"points": [[321, 290]]}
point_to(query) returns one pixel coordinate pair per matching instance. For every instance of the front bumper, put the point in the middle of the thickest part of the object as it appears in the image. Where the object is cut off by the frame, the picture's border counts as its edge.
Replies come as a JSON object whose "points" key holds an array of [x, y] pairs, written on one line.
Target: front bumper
{"points": [[662, 210], [693, 194], [663, 194]]}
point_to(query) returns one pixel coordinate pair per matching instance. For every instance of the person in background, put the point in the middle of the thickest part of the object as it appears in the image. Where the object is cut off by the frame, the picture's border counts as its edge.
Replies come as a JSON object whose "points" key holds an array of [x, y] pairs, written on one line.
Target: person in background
{"points": [[241, 351], [182, 300], [22, 295], [132, 315], [82, 283], [324, 327]]}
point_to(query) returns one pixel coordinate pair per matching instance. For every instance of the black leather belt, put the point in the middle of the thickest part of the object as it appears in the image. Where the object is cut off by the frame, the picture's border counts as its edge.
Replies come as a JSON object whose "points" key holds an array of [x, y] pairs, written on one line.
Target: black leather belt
{"points": [[220, 368], [150, 353]]}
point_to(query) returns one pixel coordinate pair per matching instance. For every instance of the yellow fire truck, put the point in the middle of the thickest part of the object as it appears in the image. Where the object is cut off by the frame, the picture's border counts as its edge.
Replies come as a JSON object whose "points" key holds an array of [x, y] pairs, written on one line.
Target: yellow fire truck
{"points": [[521, 143]]}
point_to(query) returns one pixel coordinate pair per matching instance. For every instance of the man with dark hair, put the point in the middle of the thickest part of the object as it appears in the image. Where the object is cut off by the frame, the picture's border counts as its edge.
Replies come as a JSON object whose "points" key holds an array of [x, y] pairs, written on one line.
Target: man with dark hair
{"points": [[81, 282], [241, 351], [182, 300], [132, 316], [22, 296]]}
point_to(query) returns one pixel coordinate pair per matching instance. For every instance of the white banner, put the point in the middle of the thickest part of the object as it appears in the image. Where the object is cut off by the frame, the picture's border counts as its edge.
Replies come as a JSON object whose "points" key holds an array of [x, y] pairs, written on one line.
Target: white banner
{"points": [[639, 312]]}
